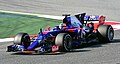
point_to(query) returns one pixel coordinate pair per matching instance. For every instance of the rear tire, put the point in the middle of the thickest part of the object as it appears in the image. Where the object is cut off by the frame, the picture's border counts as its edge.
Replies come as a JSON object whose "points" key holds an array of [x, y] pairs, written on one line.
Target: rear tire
{"points": [[105, 33], [22, 39], [63, 40]]}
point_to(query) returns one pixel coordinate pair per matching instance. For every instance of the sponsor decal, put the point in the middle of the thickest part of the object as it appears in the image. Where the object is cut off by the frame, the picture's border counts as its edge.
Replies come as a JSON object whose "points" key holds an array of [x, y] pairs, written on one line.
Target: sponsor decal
{"points": [[55, 48]]}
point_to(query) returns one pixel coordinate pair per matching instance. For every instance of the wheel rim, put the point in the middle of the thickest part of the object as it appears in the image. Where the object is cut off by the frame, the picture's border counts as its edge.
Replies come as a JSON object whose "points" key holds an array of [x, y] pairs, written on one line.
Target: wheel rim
{"points": [[110, 34], [26, 41], [67, 43]]}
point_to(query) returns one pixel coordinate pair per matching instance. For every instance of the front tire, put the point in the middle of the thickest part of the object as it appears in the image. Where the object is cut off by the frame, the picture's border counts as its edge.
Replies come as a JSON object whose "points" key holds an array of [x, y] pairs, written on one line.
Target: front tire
{"points": [[105, 33], [63, 40], [22, 39]]}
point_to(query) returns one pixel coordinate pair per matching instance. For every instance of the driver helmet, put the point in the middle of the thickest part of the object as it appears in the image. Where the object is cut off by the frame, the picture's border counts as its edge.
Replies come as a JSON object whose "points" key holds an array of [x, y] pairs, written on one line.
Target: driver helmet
{"points": [[61, 25]]}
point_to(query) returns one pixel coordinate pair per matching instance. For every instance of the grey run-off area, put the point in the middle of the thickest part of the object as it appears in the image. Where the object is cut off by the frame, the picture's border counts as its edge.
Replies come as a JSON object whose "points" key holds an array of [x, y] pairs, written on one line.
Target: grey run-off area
{"points": [[96, 54], [110, 8]]}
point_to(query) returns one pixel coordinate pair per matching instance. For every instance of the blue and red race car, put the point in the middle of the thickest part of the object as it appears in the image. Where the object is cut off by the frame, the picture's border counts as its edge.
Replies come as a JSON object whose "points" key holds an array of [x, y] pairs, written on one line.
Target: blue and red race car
{"points": [[73, 31]]}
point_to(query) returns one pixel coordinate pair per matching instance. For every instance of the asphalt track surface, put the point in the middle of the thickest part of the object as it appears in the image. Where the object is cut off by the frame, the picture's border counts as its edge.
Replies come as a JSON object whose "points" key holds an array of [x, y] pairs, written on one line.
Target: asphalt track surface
{"points": [[95, 54]]}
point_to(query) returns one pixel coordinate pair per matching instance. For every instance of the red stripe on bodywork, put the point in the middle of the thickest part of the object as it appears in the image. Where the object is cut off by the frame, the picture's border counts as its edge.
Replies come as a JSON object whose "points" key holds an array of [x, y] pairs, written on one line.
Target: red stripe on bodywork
{"points": [[111, 23]]}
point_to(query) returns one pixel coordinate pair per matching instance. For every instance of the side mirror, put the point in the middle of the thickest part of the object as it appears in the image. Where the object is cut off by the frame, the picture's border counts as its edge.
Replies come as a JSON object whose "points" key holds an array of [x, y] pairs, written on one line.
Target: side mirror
{"points": [[40, 32]]}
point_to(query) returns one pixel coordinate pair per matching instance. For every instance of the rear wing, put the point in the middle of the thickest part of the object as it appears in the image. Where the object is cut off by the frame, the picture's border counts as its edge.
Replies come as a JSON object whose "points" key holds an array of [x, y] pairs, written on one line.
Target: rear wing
{"points": [[83, 18]]}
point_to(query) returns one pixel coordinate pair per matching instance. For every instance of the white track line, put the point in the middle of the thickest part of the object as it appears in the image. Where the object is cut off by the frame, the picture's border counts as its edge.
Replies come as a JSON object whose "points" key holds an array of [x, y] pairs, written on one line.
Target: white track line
{"points": [[116, 27], [7, 40], [38, 15]]}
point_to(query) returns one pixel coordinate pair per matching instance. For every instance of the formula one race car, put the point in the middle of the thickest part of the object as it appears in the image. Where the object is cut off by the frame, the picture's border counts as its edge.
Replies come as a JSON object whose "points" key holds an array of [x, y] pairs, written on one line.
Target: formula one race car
{"points": [[73, 31]]}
